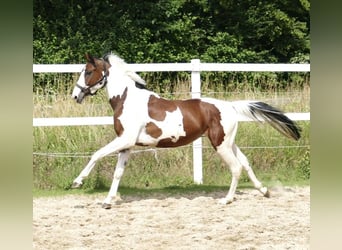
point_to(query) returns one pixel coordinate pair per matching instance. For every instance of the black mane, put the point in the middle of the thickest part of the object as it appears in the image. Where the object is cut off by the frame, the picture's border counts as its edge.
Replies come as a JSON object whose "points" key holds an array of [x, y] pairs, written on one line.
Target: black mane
{"points": [[140, 86]]}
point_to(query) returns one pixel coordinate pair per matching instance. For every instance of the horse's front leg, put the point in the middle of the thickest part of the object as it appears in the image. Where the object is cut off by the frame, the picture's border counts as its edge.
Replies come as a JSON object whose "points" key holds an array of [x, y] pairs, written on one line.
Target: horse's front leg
{"points": [[115, 146], [119, 170]]}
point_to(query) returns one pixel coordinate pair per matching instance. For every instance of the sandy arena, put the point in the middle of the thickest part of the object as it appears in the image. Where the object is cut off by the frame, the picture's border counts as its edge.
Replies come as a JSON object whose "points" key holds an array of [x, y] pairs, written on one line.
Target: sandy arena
{"points": [[189, 221]]}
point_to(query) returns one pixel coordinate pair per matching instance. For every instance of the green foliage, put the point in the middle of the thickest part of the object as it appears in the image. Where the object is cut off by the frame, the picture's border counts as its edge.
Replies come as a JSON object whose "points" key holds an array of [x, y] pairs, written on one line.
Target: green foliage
{"points": [[172, 31], [304, 166]]}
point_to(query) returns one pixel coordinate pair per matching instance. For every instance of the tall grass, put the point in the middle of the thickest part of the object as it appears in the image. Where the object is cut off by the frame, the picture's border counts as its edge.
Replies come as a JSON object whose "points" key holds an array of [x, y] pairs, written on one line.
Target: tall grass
{"points": [[60, 153]]}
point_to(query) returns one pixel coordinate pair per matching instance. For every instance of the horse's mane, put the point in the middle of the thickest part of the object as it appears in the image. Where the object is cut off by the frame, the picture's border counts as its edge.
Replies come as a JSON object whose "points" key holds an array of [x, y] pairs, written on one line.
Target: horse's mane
{"points": [[113, 59]]}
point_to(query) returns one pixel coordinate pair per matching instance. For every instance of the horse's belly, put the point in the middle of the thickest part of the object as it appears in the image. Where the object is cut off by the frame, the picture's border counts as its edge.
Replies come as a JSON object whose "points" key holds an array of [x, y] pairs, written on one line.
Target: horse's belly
{"points": [[153, 135]]}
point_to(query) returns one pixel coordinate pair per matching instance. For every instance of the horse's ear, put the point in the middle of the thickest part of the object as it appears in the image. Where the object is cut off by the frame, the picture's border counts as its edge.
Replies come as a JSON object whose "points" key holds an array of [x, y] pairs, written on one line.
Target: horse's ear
{"points": [[90, 58]]}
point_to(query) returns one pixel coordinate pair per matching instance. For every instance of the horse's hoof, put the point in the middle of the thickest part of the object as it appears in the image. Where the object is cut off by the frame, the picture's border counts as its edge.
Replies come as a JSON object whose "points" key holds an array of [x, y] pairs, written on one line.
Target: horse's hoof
{"points": [[224, 201], [76, 185], [106, 206], [267, 194]]}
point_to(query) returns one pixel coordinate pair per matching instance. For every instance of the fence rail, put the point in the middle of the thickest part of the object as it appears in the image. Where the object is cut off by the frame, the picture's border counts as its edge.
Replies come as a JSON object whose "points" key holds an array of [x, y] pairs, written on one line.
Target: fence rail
{"points": [[195, 67], [177, 67], [108, 120]]}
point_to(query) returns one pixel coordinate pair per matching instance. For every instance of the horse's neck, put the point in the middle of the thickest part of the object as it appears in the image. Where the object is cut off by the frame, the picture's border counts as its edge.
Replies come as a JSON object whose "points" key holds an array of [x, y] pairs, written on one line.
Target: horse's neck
{"points": [[117, 85], [115, 89]]}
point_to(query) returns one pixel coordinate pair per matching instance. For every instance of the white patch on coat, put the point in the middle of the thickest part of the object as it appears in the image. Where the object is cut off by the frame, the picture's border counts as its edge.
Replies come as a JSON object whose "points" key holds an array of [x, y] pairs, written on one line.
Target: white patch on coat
{"points": [[172, 127], [77, 89]]}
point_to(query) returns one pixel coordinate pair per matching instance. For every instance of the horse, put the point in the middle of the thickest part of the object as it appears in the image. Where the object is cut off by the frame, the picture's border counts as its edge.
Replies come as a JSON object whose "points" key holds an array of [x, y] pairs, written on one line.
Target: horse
{"points": [[143, 118]]}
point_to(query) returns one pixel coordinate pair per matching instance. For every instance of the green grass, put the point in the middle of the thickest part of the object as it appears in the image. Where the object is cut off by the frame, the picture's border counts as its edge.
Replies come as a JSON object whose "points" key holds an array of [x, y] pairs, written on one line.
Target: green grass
{"points": [[60, 153]]}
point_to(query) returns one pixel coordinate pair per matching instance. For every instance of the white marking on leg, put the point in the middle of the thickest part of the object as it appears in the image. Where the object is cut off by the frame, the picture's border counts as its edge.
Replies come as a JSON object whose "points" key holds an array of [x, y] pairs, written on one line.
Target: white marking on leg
{"points": [[235, 167], [244, 161], [119, 170], [232, 189], [114, 146]]}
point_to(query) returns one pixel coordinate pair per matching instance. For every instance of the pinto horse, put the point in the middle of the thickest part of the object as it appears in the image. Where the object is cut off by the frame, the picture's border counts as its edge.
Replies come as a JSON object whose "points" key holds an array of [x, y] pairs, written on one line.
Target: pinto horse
{"points": [[141, 117]]}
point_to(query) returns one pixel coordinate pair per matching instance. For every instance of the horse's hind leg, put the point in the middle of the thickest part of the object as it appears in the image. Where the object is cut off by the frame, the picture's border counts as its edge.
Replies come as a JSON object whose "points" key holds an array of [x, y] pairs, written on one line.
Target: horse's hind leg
{"points": [[228, 155], [244, 161]]}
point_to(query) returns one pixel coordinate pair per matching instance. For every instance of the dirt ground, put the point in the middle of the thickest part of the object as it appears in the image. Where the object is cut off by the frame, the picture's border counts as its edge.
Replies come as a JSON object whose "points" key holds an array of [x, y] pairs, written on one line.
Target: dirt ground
{"points": [[190, 221]]}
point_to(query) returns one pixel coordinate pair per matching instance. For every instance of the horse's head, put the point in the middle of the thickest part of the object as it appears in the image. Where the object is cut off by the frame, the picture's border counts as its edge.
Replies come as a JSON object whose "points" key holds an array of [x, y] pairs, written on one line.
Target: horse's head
{"points": [[93, 77]]}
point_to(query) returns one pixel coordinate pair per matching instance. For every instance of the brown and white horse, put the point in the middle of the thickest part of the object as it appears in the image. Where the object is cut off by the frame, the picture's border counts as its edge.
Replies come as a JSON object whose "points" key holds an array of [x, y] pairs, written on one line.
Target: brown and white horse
{"points": [[141, 117]]}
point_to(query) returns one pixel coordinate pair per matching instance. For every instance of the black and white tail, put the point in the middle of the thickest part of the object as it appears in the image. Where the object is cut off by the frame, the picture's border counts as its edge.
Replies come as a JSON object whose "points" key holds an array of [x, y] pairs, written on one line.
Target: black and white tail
{"points": [[260, 111]]}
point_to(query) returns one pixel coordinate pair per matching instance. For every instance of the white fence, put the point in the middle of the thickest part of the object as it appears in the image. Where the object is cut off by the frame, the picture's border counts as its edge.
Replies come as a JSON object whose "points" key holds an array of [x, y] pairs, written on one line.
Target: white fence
{"points": [[195, 67]]}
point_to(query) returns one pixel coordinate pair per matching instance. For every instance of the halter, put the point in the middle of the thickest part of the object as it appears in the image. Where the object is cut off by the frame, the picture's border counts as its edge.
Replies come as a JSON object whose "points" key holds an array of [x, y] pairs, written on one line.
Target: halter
{"points": [[87, 90]]}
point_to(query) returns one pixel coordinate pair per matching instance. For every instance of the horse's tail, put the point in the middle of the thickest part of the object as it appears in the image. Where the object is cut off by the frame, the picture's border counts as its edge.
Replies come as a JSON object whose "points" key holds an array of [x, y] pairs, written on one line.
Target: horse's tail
{"points": [[260, 111]]}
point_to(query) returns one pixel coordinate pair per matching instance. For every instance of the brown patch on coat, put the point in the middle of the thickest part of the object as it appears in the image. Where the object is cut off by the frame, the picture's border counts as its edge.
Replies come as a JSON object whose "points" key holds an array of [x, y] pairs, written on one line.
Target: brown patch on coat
{"points": [[157, 107], [153, 130], [198, 118], [117, 103], [215, 130]]}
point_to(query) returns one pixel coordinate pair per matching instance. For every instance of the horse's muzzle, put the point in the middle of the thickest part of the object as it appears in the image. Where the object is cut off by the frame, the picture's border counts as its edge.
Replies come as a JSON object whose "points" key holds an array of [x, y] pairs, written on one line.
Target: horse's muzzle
{"points": [[80, 97]]}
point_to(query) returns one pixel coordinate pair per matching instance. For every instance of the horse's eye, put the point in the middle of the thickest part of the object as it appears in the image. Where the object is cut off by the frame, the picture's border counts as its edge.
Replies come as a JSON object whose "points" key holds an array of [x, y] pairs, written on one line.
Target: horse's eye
{"points": [[87, 73]]}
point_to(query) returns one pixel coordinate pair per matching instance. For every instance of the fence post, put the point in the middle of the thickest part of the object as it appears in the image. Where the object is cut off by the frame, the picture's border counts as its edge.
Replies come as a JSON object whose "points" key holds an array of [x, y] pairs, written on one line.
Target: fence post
{"points": [[197, 144]]}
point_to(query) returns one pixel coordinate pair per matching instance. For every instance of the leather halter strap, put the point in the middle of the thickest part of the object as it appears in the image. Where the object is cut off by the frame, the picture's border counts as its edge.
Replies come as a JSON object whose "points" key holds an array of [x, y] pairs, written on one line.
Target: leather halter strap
{"points": [[87, 90]]}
